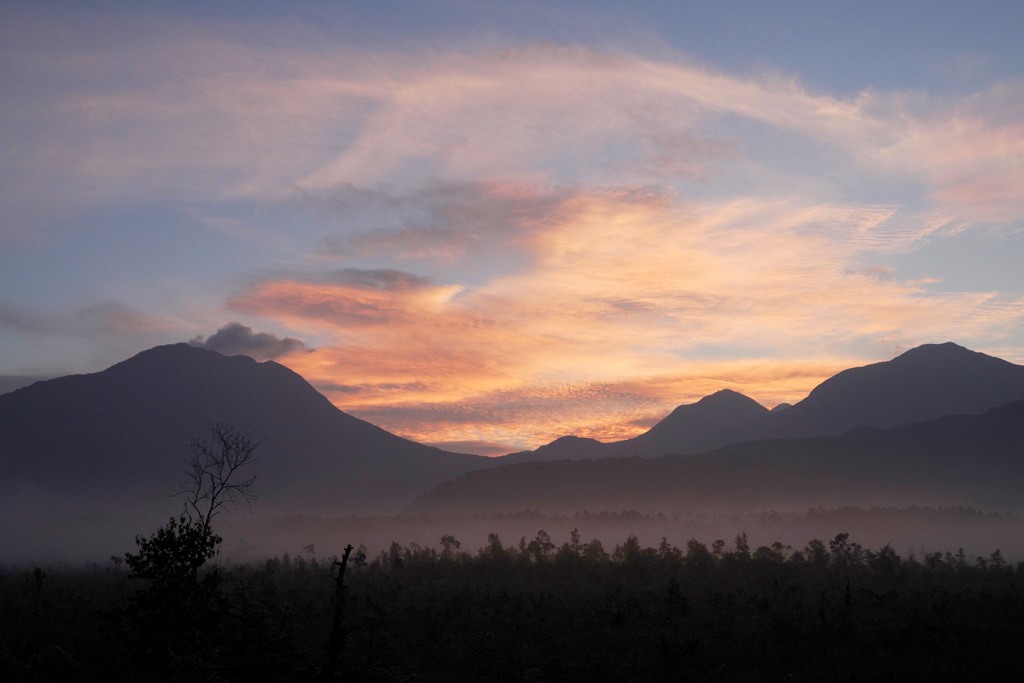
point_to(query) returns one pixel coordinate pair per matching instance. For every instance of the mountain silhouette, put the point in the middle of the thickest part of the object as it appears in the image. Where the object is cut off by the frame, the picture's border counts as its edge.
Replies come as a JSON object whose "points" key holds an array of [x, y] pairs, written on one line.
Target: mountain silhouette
{"points": [[687, 424], [694, 423], [116, 439], [925, 382], [973, 460], [562, 448]]}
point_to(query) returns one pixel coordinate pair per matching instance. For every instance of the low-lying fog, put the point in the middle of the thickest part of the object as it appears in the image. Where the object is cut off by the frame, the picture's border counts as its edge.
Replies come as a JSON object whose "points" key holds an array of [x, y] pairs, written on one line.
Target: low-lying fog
{"points": [[910, 531]]}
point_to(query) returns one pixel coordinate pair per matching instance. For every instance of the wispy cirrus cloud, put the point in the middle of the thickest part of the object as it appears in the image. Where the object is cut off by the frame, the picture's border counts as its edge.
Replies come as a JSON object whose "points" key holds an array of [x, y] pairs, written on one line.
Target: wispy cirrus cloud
{"points": [[200, 114], [437, 221], [969, 154], [107, 318], [72, 334]]}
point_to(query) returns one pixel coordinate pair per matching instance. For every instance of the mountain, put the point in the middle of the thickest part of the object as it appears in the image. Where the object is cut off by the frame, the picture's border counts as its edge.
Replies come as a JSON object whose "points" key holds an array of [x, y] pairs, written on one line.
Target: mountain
{"points": [[720, 412], [687, 424], [923, 383], [115, 440], [562, 448], [973, 460]]}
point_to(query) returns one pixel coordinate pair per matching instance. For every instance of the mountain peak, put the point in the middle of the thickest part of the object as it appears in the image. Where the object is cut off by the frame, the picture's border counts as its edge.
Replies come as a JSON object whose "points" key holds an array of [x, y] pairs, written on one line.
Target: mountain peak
{"points": [[925, 382], [180, 352], [691, 423], [571, 439], [724, 397], [714, 404], [936, 352]]}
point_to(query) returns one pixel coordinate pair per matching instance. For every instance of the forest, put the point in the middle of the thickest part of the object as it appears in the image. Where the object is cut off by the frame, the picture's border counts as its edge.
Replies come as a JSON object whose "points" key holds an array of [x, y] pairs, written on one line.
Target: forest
{"points": [[539, 609]]}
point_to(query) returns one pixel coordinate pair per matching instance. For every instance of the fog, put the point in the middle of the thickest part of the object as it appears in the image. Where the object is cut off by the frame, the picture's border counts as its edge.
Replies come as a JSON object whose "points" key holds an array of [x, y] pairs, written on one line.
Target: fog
{"points": [[911, 531]]}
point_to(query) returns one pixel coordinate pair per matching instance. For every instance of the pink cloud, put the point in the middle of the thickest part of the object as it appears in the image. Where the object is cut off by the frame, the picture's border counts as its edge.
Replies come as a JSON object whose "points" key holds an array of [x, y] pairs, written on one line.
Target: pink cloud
{"points": [[624, 289], [192, 113]]}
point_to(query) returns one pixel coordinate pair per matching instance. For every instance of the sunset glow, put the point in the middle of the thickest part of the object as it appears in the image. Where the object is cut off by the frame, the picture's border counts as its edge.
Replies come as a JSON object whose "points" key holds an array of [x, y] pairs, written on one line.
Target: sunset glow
{"points": [[485, 239]]}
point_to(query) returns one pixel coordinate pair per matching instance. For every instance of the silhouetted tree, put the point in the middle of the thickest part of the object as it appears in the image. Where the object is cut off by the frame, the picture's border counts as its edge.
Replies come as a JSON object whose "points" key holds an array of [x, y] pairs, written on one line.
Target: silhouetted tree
{"points": [[449, 546], [177, 551], [742, 551], [698, 557], [177, 609], [337, 640], [845, 553], [212, 473], [886, 560], [541, 547], [594, 552]]}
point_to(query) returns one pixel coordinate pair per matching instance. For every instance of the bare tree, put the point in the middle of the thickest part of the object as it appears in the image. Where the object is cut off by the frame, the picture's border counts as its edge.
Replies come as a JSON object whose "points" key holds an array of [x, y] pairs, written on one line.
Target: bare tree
{"points": [[212, 473], [177, 609], [174, 555]]}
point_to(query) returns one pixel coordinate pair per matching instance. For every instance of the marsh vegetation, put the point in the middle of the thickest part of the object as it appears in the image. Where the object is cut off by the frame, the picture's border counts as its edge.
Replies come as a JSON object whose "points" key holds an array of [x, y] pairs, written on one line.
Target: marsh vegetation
{"points": [[541, 608]]}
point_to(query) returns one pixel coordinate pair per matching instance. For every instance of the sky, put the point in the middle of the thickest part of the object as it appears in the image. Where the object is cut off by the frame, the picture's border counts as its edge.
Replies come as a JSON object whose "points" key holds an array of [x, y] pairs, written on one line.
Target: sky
{"points": [[484, 225]]}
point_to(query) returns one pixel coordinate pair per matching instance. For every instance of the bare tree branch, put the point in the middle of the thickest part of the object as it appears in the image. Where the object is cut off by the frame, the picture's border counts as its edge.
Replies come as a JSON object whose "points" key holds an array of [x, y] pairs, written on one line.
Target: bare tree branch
{"points": [[212, 473]]}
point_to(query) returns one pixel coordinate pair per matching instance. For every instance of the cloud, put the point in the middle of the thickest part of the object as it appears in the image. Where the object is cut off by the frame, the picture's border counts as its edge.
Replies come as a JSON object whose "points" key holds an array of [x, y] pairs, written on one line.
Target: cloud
{"points": [[620, 286], [15, 317], [525, 416], [380, 279], [347, 301], [969, 154], [51, 341], [102, 319], [444, 222], [197, 114], [531, 415], [238, 339], [488, 448]]}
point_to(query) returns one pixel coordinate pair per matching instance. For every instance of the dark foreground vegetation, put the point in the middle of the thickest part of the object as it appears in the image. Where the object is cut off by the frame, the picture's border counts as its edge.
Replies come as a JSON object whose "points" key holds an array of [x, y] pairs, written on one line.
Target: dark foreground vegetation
{"points": [[532, 611]]}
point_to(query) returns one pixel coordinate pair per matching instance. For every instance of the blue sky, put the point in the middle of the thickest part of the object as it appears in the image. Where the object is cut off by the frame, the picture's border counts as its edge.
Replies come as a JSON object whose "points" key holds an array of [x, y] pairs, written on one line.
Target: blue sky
{"points": [[484, 225]]}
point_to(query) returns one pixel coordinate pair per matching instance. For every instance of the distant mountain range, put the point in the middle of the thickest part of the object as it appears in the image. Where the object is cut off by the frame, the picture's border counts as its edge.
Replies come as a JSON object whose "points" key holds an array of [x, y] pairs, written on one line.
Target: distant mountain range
{"points": [[967, 460], [114, 441], [926, 382], [939, 424]]}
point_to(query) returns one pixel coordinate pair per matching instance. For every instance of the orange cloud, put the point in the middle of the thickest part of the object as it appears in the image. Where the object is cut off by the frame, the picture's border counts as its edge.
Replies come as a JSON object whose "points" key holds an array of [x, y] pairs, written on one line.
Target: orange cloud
{"points": [[530, 416], [612, 320]]}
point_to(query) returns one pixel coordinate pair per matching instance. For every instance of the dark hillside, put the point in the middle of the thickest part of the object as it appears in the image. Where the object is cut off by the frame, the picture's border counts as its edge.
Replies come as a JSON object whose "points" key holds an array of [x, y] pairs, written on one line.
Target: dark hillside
{"points": [[955, 460], [926, 382], [117, 437]]}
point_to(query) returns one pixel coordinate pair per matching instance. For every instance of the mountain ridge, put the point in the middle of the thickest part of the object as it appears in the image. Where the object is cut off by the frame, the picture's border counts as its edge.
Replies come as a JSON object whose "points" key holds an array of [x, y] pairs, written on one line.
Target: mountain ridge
{"points": [[927, 381], [123, 431], [972, 460]]}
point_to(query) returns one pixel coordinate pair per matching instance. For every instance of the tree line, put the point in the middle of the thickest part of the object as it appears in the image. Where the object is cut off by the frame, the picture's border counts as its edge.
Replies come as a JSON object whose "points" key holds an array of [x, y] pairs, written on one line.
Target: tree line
{"points": [[536, 610]]}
